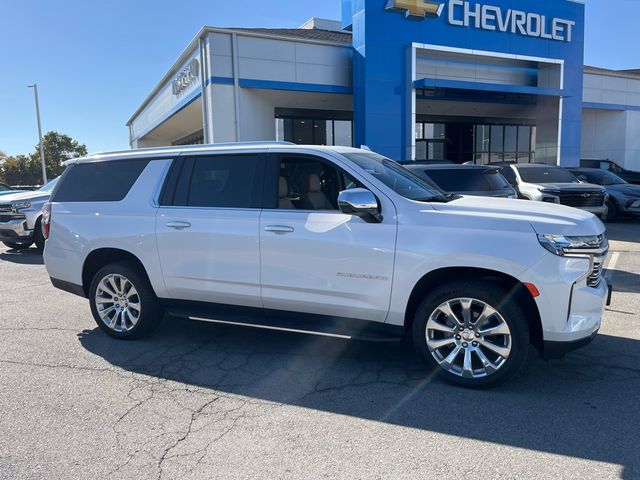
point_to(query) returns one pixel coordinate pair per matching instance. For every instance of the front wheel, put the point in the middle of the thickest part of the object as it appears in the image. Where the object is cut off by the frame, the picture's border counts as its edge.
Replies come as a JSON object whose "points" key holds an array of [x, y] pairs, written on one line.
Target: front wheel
{"points": [[123, 302], [612, 211], [472, 333]]}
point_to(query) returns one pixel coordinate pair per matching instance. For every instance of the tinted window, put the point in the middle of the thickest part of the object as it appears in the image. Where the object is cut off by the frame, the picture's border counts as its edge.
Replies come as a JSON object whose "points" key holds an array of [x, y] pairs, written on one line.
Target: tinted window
{"points": [[463, 180], [99, 181], [4, 188], [547, 175], [509, 175], [599, 178], [225, 181]]}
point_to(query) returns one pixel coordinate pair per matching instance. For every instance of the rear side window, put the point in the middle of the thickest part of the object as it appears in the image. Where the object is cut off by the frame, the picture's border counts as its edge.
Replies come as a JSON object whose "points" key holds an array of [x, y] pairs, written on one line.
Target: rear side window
{"points": [[221, 181], [98, 181]]}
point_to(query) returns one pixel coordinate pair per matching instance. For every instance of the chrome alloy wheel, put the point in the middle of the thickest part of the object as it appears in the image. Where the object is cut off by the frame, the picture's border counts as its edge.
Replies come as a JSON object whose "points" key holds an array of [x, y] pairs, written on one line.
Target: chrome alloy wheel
{"points": [[468, 337], [117, 302]]}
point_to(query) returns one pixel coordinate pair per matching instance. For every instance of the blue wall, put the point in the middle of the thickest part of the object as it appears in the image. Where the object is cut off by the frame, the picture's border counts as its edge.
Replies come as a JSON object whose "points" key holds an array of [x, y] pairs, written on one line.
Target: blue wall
{"points": [[382, 37]]}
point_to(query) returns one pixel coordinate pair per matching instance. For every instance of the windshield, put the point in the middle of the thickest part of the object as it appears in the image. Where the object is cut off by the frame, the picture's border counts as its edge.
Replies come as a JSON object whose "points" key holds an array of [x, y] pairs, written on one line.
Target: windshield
{"points": [[601, 178], [398, 178], [546, 175], [48, 186]]}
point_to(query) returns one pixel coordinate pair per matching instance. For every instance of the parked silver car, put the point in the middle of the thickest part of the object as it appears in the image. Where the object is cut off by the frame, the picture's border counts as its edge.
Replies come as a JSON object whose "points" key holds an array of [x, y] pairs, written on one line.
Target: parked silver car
{"points": [[551, 184], [20, 217]]}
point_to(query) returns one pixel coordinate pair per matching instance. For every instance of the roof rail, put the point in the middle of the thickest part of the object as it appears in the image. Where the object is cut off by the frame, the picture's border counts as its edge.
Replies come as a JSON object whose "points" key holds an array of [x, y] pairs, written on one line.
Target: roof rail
{"points": [[191, 147]]}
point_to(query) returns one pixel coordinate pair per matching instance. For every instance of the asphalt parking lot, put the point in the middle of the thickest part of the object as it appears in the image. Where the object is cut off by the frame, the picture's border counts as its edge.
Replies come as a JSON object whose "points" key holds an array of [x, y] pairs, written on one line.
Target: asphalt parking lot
{"points": [[205, 401]]}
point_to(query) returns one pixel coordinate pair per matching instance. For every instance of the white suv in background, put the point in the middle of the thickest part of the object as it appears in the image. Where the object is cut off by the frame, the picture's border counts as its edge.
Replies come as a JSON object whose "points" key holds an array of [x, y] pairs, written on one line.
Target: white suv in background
{"points": [[326, 240]]}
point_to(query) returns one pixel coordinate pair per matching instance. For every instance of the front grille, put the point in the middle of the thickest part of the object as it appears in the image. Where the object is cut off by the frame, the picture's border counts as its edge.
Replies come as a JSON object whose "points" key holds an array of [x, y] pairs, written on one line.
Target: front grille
{"points": [[5, 208], [586, 198], [595, 277], [4, 217]]}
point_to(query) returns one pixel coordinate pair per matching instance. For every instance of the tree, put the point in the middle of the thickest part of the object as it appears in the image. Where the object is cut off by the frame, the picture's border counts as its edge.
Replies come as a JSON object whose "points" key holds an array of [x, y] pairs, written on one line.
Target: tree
{"points": [[27, 170]]}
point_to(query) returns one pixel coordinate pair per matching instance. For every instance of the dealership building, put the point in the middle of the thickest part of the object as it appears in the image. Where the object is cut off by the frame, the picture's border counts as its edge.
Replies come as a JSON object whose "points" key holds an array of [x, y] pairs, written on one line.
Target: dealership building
{"points": [[459, 80]]}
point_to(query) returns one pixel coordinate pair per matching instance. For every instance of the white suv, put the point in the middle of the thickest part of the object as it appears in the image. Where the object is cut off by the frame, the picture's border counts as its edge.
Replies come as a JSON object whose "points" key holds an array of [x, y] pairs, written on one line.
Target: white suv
{"points": [[325, 240]]}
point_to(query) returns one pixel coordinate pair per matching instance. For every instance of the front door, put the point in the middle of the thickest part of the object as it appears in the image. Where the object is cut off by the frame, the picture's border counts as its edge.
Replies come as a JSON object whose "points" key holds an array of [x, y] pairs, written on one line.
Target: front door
{"points": [[316, 259], [207, 229]]}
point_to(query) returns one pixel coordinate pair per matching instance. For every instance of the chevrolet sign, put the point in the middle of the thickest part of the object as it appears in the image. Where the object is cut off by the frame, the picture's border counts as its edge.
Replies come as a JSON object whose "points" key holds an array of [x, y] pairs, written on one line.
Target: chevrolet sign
{"points": [[416, 8], [486, 17], [186, 77]]}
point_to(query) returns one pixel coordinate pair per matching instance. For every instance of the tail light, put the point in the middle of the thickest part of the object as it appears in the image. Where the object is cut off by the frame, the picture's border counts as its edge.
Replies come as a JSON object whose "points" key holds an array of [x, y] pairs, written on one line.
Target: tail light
{"points": [[46, 220]]}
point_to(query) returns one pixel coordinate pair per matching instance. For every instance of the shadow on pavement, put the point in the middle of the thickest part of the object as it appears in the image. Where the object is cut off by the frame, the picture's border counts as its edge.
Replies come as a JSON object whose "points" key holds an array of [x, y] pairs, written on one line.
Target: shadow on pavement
{"points": [[624, 230], [583, 406], [29, 256], [624, 281]]}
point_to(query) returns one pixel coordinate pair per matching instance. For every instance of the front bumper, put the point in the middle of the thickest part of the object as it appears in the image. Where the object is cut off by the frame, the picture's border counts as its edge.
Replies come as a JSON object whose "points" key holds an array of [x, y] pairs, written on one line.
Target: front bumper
{"points": [[571, 310], [555, 350], [15, 230]]}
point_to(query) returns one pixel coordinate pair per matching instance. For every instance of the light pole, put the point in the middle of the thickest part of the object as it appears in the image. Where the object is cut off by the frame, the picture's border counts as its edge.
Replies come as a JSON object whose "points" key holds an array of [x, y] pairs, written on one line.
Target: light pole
{"points": [[44, 168]]}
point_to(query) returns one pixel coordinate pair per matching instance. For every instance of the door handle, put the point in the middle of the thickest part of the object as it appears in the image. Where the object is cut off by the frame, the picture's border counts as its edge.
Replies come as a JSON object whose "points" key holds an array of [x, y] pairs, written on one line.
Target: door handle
{"points": [[279, 229], [179, 225]]}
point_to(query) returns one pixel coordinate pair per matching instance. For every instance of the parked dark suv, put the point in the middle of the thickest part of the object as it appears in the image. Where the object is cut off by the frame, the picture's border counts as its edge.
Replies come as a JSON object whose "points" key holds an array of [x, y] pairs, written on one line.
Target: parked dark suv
{"points": [[609, 166], [474, 180], [624, 198]]}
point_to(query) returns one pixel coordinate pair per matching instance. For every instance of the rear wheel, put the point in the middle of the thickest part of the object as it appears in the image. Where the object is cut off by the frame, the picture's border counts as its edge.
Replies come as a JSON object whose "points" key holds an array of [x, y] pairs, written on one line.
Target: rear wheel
{"points": [[38, 236], [18, 246], [473, 333], [123, 303]]}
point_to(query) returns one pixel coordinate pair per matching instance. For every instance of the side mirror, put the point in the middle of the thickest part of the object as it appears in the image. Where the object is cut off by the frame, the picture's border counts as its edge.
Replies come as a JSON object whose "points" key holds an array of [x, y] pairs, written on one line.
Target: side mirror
{"points": [[361, 203]]}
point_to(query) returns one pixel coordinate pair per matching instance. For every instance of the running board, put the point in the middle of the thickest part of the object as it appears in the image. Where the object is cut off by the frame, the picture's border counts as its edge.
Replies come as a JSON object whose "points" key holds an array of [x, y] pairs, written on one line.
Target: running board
{"points": [[301, 323], [270, 327]]}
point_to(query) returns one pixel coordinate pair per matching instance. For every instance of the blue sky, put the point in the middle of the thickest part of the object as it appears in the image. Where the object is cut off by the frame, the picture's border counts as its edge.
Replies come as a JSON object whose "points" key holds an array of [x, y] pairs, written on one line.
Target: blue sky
{"points": [[96, 61]]}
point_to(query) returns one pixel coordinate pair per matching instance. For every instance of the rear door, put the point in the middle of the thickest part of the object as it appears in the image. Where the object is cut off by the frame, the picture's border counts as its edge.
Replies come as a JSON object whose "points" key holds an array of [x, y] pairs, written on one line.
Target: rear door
{"points": [[316, 259], [207, 229]]}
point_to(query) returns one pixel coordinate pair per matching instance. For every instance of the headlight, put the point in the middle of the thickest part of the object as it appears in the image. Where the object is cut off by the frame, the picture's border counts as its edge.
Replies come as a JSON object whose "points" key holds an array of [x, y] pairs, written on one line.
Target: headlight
{"points": [[550, 192], [563, 245], [21, 205]]}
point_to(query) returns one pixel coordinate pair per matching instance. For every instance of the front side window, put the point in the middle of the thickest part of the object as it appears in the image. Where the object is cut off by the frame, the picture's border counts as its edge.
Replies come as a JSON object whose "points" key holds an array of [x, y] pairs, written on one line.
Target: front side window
{"points": [[547, 175], [307, 183], [396, 177]]}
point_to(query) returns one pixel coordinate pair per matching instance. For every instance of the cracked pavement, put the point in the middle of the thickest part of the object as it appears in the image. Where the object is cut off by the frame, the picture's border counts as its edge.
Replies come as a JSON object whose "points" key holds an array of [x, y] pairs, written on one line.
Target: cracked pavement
{"points": [[207, 401]]}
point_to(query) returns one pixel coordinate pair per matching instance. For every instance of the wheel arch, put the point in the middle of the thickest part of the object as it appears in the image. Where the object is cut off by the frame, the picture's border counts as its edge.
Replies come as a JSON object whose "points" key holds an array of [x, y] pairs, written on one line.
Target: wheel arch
{"points": [[103, 256], [441, 276]]}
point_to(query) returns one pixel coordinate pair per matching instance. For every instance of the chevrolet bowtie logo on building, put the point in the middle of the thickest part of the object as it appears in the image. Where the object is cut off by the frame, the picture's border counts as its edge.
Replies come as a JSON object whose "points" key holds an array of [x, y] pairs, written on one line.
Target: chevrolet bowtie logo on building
{"points": [[417, 8]]}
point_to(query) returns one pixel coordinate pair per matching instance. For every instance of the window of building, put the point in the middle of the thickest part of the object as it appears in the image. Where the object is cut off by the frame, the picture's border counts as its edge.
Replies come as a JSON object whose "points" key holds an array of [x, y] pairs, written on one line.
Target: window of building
{"points": [[314, 127], [504, 143], [430, 141]]}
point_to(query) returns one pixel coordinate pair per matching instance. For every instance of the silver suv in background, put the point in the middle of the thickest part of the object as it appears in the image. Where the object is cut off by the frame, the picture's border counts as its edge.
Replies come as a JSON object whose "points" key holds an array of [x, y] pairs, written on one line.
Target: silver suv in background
{"points": [[21, 216], [551, 184]]}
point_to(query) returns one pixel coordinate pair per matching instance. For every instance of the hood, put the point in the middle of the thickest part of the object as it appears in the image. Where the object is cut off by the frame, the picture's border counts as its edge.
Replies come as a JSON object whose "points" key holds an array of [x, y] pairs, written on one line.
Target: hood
{"points": [[11, 192], [32, 196], [570, 186], [625, 188], [544, 218]]}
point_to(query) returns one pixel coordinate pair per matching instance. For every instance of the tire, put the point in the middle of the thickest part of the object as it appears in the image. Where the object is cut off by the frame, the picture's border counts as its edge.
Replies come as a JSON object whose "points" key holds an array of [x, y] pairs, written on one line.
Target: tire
{"points": [[116, 278], [506, 317], [613, 211], [18, 246], [38, 236]]}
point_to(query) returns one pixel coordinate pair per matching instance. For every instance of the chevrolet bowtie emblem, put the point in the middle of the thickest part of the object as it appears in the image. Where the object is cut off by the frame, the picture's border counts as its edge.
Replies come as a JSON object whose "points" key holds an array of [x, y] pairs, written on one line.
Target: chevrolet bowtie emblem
{"points": [[417, 8]]}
